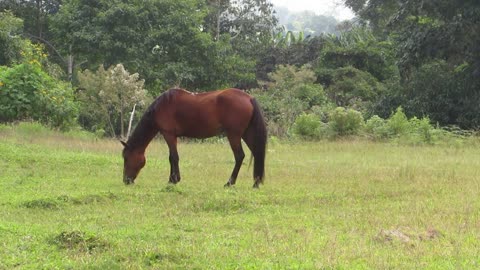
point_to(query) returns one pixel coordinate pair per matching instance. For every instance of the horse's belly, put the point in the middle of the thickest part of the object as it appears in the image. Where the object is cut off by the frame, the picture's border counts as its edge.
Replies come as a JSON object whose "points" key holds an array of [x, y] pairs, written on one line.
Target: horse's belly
{"points": [[200, 130]]}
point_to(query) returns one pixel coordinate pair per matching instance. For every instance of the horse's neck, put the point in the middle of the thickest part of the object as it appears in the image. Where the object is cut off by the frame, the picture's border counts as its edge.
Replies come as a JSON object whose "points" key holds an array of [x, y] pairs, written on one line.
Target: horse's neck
{"points": [[140, 141]]}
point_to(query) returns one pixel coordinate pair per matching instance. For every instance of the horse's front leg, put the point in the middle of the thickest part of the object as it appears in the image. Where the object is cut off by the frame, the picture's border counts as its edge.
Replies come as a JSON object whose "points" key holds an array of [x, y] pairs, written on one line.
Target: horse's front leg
{"points": [[173, 158]]}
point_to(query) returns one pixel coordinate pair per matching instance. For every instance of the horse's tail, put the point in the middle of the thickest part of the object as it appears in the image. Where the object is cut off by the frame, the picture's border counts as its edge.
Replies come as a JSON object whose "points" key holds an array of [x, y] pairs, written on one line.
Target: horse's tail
{"points": [[258, 137]]}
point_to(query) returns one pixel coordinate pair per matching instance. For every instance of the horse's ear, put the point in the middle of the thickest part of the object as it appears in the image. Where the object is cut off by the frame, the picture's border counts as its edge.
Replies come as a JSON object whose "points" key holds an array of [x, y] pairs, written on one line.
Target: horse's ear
{"points": [[124, 144]]}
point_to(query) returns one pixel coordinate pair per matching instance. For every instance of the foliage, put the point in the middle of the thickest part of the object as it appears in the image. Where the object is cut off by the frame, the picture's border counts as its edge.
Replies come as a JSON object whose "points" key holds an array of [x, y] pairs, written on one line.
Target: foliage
{"points": [[433, 37], [298, 53], [353, 88], [10, 43], [399, 127], [361, 49], [250, 24], [35, 15], [354, 67], [165, 41], [377, 128], [28, 92], [345, 122], [291, 92], [421, 55], [444, 94], [308, 126], [106, 96]]}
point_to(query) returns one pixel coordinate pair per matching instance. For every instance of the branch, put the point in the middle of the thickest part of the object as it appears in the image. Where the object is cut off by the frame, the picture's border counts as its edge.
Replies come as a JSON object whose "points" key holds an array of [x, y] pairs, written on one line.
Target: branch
{"points": [[47, 43]]}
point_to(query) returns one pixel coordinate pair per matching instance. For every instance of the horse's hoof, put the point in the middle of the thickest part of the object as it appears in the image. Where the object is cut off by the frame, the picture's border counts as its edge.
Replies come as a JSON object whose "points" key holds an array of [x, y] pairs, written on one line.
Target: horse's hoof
{"points": [[227, 185]]}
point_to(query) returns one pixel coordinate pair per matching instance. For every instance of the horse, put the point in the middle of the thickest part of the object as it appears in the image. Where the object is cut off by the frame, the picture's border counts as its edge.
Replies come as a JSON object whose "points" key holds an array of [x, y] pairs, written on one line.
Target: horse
{"points": [[180, 113]]}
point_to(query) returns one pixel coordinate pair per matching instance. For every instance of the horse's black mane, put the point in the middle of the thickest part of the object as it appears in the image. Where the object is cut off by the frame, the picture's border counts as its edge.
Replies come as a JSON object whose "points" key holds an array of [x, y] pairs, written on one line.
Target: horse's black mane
{"points": [[146, 125]]}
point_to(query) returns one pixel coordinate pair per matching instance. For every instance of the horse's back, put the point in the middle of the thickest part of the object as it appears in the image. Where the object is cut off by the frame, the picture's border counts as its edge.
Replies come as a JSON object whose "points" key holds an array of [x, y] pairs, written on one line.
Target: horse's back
{"points": [[202, 115]]}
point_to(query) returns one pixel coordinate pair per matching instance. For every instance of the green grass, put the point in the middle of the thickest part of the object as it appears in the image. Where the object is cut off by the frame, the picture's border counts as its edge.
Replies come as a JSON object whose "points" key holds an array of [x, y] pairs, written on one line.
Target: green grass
{"points": [[324, 205]]}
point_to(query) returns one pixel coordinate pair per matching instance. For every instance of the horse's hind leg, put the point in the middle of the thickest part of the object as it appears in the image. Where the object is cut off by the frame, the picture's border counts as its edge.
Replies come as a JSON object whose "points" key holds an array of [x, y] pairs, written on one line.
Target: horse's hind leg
{"points": [[249, 138], [236, 145]]}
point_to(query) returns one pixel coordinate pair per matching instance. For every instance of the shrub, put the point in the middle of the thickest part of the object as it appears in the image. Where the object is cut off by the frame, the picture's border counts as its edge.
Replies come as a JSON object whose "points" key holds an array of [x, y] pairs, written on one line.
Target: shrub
{"points": [[400, 127], [421, 131], [308, 126], [345, 122], [292, 91], [28, 92], [377, 128], [398, 123]]}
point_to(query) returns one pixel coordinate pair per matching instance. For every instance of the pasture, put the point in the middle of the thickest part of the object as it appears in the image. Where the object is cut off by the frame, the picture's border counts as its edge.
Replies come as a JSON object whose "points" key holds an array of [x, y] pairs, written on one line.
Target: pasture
{"points": [[324, 205]]}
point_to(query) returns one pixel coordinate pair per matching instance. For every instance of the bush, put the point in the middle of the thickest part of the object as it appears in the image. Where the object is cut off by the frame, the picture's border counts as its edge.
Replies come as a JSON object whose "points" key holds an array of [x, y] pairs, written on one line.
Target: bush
{"points": [[28, 92], [377, 128], [308, 126], [292, 91], [421, 131], [398, 126], [345, 122], [398, 123]]}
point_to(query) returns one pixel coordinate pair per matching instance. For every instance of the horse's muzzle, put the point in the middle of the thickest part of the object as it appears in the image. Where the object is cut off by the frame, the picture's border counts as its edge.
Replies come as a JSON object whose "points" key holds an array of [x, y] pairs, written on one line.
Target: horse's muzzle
{"points": [[128, 180]]}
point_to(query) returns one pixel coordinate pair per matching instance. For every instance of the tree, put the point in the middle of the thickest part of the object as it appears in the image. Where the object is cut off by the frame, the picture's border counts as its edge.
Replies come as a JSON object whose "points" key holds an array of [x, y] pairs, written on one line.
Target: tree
{"points": [[427, 32], [163, 41], [106, 96]]}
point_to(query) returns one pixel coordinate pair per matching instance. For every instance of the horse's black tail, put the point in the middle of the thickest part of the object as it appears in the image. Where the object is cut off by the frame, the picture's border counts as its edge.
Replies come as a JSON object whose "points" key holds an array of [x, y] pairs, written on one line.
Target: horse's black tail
{"points": [[257, 137]]}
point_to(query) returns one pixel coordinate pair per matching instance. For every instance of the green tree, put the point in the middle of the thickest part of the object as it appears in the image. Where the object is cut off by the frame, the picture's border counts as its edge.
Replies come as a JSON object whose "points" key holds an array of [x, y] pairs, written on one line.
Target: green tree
{"points": [[434, 37], [164, 41]]}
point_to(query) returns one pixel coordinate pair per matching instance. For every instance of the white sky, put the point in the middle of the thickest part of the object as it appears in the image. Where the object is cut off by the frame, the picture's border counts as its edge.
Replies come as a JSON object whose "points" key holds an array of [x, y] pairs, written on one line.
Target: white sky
{"points": [[320, 7]]}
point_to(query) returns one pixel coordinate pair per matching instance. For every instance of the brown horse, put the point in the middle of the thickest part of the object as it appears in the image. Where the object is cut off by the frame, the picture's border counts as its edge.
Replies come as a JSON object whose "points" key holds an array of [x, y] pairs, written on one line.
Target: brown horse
{"points": [[178, 113]]}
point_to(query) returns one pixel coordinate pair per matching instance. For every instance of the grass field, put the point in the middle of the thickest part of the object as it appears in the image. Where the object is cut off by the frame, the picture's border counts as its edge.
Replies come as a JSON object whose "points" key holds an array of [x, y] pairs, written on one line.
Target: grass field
{"points": [[324, 205]]}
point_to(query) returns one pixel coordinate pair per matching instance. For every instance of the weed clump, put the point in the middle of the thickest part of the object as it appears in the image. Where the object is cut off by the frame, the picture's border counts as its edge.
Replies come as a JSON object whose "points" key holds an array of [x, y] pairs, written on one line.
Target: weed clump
{"points": [[79, 241], [64, 200], [46, 203]]}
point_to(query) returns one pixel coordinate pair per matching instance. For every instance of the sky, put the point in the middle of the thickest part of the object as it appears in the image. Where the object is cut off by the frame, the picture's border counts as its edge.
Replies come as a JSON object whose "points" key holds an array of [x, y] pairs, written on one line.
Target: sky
{"points": [[320, 7]]}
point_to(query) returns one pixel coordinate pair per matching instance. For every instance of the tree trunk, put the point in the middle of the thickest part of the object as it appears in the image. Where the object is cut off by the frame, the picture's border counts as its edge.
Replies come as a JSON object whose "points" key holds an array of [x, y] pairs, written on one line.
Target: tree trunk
{"points": [[70, 64]]}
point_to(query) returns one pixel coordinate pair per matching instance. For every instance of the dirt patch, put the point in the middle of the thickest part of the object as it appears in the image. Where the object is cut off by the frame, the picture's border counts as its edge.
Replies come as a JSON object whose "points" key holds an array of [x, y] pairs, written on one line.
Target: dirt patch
{"points": [[407, 235]]}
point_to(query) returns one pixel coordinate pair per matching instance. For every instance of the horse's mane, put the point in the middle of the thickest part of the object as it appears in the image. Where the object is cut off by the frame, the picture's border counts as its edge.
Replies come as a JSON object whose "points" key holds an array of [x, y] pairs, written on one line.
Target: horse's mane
{"points": [[146, 126]]}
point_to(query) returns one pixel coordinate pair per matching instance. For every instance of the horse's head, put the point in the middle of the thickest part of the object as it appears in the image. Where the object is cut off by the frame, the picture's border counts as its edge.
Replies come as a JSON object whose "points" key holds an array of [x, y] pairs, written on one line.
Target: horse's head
{"points": [[133, 162]]}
